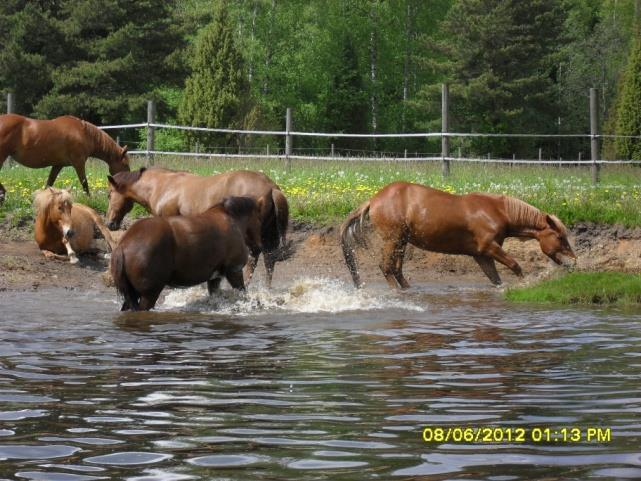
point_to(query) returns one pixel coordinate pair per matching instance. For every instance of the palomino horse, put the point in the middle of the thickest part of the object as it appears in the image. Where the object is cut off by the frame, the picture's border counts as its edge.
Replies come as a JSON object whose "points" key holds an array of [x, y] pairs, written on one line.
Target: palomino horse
{"points": [[473, 224], [166, 192], [183, 251], [64, 227], [57, 143]]}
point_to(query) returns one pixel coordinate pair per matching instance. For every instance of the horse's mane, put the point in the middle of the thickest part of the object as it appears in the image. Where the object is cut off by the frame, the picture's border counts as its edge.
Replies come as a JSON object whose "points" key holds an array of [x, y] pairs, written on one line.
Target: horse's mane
{"points": [[128, 178], [522, 214], [103, 143], [42, 198]]}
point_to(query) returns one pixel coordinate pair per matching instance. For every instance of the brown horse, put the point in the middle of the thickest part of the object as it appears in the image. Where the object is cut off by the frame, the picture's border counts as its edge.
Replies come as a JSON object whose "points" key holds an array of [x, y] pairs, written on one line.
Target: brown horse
{"points": [[63, 227], [473, 224], [183, 251], [166, 192], [57, 143]]}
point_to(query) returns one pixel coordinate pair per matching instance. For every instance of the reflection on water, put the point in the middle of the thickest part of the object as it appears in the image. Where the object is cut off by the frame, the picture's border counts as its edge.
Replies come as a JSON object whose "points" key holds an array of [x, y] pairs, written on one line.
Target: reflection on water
{"points": [[315, 381]]}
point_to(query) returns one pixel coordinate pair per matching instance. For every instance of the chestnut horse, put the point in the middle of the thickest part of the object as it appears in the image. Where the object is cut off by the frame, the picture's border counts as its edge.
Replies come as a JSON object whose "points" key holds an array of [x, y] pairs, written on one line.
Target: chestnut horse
{"points": [[57, 143], [63, 227], [473, 224], [166, 192], [183, 251]]}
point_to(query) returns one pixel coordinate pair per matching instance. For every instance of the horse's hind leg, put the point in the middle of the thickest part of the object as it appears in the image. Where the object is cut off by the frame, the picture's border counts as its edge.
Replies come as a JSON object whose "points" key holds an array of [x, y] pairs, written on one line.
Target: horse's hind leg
{"points": [[269, 258], [148, 301], [388, 262], [398, 265], [53, 175], [489, 268], [80, 170], [213, 285], [235, 279]]}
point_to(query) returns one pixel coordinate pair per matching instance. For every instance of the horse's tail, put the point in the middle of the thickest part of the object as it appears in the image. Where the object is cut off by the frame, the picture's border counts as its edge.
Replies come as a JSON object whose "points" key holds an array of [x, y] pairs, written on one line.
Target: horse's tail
{"points": [[104, 230], [123, 285], [274, 228], [352, 235], [281, 211]]}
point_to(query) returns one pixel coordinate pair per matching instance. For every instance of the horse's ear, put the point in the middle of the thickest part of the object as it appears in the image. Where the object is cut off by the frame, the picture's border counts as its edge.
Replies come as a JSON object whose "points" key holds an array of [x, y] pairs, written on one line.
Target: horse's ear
{"points": [[552, 222], [124, 150], [112, 182], [142, 169]]}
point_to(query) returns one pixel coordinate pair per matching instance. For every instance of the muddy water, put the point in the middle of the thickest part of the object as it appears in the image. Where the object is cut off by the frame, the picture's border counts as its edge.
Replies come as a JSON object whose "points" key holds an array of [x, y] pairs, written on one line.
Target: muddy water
{"points": [[313, 381]]}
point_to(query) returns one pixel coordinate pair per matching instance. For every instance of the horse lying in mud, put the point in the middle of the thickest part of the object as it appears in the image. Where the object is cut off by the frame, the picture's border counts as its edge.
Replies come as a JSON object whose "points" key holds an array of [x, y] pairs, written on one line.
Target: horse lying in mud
{"points": [[166, 192], [473, 224], [58, 143], [63, 227], [183, 251]]}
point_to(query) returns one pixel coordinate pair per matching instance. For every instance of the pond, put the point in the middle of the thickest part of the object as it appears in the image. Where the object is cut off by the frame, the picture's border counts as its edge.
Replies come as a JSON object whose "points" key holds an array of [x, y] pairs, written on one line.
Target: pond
{"points": [[317, 381]]}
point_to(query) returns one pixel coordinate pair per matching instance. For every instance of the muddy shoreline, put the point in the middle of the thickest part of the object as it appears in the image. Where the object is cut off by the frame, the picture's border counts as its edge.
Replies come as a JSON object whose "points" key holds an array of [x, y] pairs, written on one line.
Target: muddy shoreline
{"points": [[316, 253]]}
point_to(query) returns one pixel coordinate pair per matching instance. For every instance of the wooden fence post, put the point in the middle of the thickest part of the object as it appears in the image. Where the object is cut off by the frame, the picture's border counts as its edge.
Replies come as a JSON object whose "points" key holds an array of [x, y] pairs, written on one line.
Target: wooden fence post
{"points": [[594, 139], [445, 140], [288, 137], [151, 134], [11, 102]]}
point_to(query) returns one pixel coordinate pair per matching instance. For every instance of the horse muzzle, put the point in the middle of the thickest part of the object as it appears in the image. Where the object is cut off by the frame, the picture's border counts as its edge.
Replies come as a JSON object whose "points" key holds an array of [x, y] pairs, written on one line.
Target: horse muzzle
{"points": [[113, 225]]}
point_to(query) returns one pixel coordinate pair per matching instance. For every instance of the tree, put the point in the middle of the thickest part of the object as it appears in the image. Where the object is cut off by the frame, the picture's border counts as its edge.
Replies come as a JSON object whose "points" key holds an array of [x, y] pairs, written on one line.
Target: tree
{"points": [[500, 57], [27, 59], [216, 91], [628, 121], [118, 52]]}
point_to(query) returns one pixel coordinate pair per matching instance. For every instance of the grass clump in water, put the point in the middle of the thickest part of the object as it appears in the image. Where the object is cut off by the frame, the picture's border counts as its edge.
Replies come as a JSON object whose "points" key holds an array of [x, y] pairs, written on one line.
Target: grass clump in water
{"points": [[583, 288]]}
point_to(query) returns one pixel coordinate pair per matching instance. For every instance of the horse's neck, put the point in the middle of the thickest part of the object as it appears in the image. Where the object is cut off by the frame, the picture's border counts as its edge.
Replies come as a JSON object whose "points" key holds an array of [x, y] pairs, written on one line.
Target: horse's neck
{"points": [[141, 192]]}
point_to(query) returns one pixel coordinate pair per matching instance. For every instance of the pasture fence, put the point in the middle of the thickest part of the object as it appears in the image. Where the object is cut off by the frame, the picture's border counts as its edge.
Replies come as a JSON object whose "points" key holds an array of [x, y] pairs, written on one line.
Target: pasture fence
{"points": [[198, 151]]}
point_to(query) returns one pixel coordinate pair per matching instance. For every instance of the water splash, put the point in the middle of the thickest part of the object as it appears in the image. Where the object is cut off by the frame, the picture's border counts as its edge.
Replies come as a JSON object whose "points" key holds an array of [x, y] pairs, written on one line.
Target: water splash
{"points": [[304, 295]]}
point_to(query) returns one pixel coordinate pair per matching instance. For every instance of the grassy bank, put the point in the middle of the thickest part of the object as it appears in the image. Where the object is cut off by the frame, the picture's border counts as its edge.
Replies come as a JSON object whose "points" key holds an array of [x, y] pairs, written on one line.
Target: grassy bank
{"points": [[325, 191], [583, 288]]}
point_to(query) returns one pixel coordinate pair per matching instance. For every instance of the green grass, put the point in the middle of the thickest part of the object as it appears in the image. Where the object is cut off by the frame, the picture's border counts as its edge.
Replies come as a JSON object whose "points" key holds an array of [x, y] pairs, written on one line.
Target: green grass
{"points": [[325, 191], [583, 288]]}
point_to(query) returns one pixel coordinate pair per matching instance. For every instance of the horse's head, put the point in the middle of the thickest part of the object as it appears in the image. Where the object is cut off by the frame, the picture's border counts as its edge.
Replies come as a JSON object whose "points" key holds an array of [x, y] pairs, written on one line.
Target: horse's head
{"points": [[56, 205], [121, 161], [553, 240], [247, 212], [120, 199]]}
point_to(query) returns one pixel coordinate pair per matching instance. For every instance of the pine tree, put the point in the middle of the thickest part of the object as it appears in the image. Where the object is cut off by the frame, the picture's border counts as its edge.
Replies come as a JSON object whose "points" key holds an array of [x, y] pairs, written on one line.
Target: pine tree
{"points": [[118, 52], [216, 92], [628, 121]]}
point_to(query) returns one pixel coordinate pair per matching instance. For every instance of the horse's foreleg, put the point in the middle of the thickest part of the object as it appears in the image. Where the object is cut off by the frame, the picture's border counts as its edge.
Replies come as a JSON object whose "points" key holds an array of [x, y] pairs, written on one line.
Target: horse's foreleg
{"points": [[73, 258], [53, 255], [251, 265], [213, 285], [80, 170], [148, 302], [53, 174], [489, 268], [496, 251]]}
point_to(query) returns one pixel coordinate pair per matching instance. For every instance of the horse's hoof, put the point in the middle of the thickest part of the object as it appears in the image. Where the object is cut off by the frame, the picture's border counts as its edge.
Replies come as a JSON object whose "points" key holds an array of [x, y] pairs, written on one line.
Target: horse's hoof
{"points": [[106, 256], [73, 260]]}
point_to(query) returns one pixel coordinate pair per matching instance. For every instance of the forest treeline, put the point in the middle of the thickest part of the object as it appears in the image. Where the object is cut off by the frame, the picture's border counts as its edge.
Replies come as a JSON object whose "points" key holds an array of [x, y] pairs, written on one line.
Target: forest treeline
{"points": [[358, 66]]}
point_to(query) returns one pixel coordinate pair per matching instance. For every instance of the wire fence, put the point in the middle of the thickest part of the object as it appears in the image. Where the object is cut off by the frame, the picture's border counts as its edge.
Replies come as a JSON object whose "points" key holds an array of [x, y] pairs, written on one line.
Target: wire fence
{"points": [[147, 149]]}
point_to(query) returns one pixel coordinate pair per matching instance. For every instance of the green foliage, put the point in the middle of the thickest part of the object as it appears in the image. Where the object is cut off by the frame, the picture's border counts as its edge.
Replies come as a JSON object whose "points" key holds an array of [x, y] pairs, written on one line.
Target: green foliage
{"points": [[216, 91], [117, 53], [629, 107], [583, 288], [500, 57]]}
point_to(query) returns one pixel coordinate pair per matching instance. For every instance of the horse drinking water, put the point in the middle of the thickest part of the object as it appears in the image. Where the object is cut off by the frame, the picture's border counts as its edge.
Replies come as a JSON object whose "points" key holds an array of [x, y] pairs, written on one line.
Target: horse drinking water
{"points": [[63, 227], [57, 143], [166, 192], [473, 224], [183, 251]]}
